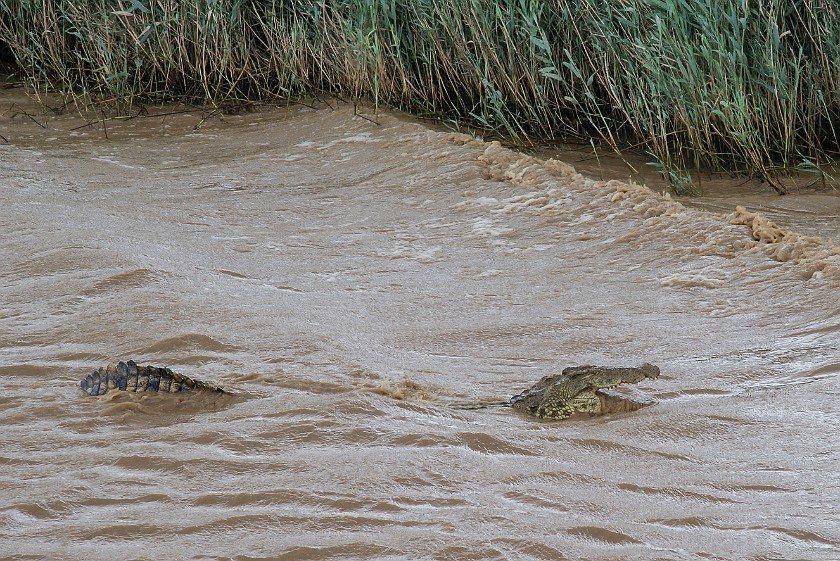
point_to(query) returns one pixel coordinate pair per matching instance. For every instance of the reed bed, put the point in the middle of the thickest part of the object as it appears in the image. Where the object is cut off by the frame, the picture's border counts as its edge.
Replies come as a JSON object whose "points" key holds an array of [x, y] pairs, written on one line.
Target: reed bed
{"points": [[751, 86]]}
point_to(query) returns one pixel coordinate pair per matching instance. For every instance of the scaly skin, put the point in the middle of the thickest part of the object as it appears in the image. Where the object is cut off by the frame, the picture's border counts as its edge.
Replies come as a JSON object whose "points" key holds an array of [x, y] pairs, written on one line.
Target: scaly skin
{"points": [[127, 376], [577, 390]]}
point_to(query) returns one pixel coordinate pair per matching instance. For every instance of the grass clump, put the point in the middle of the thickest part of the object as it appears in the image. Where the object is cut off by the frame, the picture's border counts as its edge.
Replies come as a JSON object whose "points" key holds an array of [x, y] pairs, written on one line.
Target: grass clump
{"points": [[752, 87]]}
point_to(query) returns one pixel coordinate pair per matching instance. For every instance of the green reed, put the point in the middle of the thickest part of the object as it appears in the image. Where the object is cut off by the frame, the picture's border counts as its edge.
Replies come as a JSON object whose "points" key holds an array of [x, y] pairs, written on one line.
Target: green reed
{"points": [[745, 85]]}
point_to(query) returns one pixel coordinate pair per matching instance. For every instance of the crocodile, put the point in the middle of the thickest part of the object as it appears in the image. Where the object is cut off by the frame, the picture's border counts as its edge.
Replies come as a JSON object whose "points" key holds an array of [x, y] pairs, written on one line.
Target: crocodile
{"points": [[577, 390], [128, 376]]}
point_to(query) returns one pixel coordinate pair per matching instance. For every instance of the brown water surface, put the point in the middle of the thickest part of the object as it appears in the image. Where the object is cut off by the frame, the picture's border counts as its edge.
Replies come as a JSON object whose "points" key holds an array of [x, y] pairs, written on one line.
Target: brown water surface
{"points": [[321, 265]]}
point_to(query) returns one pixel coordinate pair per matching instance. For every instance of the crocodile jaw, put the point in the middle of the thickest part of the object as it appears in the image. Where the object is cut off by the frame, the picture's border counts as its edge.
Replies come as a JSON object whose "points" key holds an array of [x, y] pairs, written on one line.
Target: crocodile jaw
{"points": [[578, 390], [613, 403], [593, 401]]}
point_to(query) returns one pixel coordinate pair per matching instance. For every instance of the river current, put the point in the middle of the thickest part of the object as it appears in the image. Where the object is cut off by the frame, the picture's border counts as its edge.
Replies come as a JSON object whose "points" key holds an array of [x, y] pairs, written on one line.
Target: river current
{"points": [[349, 279]]}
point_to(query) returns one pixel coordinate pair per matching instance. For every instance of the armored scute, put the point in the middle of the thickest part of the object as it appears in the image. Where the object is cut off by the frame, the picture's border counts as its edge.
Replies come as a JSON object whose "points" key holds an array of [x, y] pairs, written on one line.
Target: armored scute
{"points": [[130, 377]]}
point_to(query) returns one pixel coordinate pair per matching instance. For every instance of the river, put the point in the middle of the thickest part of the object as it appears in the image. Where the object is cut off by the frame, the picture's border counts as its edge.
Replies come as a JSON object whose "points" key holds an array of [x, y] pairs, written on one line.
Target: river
{"points": [[349, 278]]}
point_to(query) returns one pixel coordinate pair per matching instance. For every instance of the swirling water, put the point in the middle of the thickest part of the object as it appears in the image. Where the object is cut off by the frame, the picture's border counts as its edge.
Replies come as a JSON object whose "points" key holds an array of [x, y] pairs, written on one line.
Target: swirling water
{"points": [[322, 265]]}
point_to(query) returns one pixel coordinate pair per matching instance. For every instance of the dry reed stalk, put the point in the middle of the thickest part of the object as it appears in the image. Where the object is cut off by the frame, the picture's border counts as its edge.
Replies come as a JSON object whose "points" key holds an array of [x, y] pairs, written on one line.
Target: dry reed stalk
{"points": [[750, 87]]}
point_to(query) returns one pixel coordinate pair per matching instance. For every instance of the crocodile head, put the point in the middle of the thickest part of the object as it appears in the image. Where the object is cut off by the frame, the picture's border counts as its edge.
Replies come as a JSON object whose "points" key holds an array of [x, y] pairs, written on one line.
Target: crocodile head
{"points": [[578, 390]]}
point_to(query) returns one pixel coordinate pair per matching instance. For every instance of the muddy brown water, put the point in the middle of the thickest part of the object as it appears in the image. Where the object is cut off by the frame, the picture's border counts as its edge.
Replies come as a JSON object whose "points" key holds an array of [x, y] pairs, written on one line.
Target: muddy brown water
{"points": [[322, 266]]}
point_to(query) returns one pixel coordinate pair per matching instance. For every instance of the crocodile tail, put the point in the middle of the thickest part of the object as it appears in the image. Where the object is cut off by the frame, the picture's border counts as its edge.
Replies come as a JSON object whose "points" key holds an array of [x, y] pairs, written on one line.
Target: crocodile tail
{"points": [[469, 405], [173, 382], [128, 376]]}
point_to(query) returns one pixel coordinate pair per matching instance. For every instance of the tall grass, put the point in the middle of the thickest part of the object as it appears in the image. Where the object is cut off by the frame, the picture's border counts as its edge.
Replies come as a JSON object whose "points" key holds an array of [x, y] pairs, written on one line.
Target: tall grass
{"points": [[745, 85]]}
